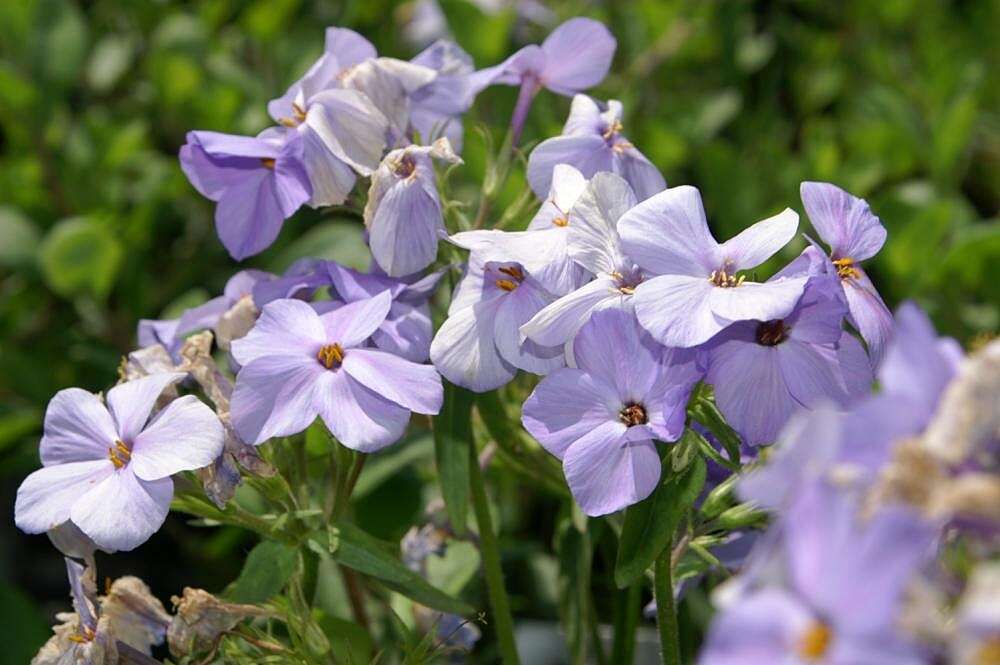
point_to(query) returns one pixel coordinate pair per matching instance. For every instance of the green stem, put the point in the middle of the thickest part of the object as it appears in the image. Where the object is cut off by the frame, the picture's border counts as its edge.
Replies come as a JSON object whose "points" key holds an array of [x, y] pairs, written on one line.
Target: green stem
{"points": [[666, 615], [490, 549], [626, 621]]}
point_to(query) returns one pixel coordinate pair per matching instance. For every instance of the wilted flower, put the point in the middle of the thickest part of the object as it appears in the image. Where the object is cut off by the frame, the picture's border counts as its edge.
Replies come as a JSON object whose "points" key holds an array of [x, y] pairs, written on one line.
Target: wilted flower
{"points": [[297, 365], [407, 329], [697, 291], [257, 184], [765, 371], [592, 141], [403, 214], [854, 234], [108, 468], [593, 244], [978, 614], [201, 619], [479, 346], [602, 417], [844, 584]]}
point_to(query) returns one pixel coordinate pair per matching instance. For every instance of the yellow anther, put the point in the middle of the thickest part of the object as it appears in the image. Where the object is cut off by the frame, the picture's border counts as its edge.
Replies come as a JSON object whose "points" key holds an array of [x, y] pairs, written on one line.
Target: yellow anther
{"points": [[560, 221], [514, 272], [506, 284], [612, 129], [989, 652], [267, 162], [119, 454], [815, 642], [633, 414], [845, 268], [724, 279], [331, 355]]}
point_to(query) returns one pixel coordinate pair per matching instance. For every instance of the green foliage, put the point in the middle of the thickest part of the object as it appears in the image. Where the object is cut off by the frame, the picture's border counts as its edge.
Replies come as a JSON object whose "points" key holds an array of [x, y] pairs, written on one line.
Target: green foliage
{"points": [[268, 567], [452, 434]]}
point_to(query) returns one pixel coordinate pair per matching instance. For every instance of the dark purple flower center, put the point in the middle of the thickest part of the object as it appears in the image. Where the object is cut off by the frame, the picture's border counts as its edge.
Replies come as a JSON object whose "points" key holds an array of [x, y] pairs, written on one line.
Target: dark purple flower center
{"points": [[119, 454], [633, 414], [772, 333], [626, 283], [814, 642], [845, 268], [516, 275], [405, 167], [331, 356]]}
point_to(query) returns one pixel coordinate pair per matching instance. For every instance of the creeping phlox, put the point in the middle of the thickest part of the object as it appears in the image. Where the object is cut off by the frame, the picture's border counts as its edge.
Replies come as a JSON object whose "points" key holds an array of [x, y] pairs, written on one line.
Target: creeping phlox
{"points": [[664, 359]]}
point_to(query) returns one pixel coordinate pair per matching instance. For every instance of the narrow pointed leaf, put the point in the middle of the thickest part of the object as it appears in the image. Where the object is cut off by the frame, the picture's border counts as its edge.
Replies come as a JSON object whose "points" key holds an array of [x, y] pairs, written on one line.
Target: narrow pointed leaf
{"points": [[452, 432]]}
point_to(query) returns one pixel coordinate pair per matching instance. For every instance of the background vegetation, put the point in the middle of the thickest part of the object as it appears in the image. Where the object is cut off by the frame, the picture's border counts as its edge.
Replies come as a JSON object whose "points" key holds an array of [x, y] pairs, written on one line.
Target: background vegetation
{"points": [[896, 101]]}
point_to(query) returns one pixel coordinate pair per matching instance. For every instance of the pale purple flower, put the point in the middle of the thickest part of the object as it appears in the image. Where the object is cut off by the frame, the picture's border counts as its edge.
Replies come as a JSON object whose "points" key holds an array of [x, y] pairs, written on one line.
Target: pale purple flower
{"points": [[543, 248], [407, 329], [854, 234], [765, 371], [257, 184], [697, 291], [479, 346], [575, 56], [840, 605], [300, 280], [592, 141], [298, 364], [603, 416], [593, 244], [107, 468], [436, 109], [403, 214]]}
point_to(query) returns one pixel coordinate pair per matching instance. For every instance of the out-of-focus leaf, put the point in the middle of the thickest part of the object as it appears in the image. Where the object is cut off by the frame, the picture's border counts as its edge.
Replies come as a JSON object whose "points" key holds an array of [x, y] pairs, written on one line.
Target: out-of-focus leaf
{"points": [[18, 238], [111, 58], [80, 256], [384, 465], [348, 545], [452, 442], [17, 424], [64, 44], [23, 627], [650, 525], [339, 241], [267, 569], [349, 642], [574, 549], [455, 568]]}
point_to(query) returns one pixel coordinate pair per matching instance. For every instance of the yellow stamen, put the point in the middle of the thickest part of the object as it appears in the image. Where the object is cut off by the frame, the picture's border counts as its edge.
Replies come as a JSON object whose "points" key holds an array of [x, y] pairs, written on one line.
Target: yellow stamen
{"points": [[612, 129], [815, 642], [299, 112], [119, 454], [725, 280], [267, 162], [989, 652], [510, 284], [633, 414], [506, 284], [514, 272], [560, 221], [845, 268], [331, 355]]}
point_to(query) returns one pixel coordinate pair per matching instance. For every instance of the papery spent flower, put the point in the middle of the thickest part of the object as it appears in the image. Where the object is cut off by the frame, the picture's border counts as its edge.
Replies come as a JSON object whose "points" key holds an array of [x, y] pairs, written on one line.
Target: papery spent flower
{"points": [[403, 214], [593, 244], [298, 364], [978, 618], [841, 602], [854, 234], [698, 291], [592, 141], [602, 417], [542, 250], [479, 346], [765, 371], [108, 468], [407, 330], [257, 184], [201, 619]]}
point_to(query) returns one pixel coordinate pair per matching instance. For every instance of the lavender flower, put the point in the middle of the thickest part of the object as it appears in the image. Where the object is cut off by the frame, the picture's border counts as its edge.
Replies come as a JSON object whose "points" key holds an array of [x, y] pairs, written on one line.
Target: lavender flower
{"points": [[592, 141], [765, 371], [844, 586], [436, 109], [698, 291], [257, 183], [403, 214], [854, 234], [108, 468], [407, 329], [601, 417], [593, 244], [575, 56], [479, 345], [297, 365]]}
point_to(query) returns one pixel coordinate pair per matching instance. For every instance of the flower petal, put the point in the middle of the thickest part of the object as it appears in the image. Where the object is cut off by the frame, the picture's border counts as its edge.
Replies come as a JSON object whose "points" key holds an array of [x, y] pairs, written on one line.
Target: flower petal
{"points": [[285, 327], [348, 46], [411, 385], [350, 126], [763, 627], [516, 309], [353, 323], [578, 56], [273, 396], [131, 402], [331, 178], [248, 216], [639, 172], [78, 427], [614, 349], [587, 153], [46, 497], [559, 321], [843, 221], [667, 234], [757, 302], [404, 228], [676, 310], [757, 244], [122, 512], [358, 417], [186, 435], [567, 186], [869, 314], [606, 474], [406, 332], [567, 404], [593, 234], [464, 351], [810, 375]]}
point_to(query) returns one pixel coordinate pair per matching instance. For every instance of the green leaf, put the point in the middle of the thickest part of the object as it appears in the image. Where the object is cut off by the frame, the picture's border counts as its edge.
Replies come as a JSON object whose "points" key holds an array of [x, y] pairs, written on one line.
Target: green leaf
{"points": [[80, 256], [382, 467], [110, 59], [267, 569], [349, 642], [575, 551], [366, 554], [650, 525], [341, 241], [452, 442], [18, 238]]}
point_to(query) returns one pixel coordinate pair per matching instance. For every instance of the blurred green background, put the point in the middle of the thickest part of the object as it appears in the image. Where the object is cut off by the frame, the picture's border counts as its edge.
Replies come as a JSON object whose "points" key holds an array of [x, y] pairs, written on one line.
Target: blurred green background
{"points": [[896, 101]]}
